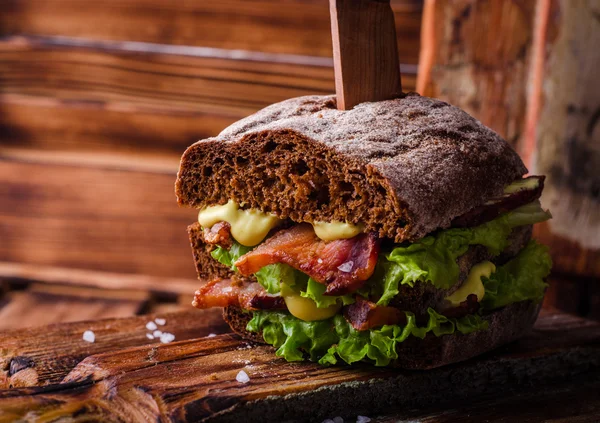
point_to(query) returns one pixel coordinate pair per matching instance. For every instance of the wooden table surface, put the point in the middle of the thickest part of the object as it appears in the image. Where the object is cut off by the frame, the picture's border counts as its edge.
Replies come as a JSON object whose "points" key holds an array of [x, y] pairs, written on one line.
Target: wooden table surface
{"points": [[50, 372]]}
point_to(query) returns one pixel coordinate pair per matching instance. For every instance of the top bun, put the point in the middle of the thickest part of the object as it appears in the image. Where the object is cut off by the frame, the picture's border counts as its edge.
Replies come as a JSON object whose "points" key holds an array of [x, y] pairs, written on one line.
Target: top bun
{"points": [[403, 167]]}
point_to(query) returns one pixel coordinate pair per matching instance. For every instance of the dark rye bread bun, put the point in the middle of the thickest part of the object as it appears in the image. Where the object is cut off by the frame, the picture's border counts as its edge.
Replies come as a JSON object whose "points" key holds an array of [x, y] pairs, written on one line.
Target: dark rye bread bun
{"points": [[416, 299], [401, 167], [505, 325]]}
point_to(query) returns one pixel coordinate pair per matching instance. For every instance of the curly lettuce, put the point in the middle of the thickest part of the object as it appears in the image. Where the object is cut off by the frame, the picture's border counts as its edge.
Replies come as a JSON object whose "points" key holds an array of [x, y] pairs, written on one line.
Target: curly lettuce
{"points": [[433, 258], [334, 339], [522, 278]]}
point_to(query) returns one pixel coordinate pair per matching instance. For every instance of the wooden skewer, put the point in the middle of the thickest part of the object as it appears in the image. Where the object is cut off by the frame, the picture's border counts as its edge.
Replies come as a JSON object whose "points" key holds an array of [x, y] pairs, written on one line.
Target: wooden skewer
{"points": [[365, 52]]}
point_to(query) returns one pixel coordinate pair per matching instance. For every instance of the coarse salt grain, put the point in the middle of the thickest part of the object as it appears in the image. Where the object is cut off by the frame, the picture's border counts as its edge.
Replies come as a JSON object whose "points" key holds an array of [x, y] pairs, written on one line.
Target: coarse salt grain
{"points": [[328, 421], [338, 419], [346, 267], [89, 336], [157, 333], [211, 335], [362, 419], [160, 322], [149, 336], [151, 326], [167, 337], [320, 261], [242, 377]]}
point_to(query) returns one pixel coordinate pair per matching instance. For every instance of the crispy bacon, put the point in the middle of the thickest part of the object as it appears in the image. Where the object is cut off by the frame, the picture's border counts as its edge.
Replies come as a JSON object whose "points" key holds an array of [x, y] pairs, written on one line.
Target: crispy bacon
{"points": [[343, 265], [238, 293], [469, 306], [365, 315], [218, 234], [496, 206]]}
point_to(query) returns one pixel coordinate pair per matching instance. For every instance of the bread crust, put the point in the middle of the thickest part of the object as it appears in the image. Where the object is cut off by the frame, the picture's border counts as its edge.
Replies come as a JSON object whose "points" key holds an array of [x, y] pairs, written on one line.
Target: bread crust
{"points": [[402, 167], [505, 325]]}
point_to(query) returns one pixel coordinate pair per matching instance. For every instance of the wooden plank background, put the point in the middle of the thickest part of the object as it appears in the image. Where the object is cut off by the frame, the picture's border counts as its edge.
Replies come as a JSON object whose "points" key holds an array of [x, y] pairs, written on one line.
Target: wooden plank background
{"points": [[98, 102]]}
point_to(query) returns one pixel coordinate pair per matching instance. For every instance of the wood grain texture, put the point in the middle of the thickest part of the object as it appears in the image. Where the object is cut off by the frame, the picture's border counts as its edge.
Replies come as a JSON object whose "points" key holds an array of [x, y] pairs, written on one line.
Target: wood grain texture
{"points": [[41, 304], [94, 218], [365, 52], [291, 27], [23, 273], [195, 380], [529, 85], [53, 351], [565, 131], [112, 98], [475, 55]]}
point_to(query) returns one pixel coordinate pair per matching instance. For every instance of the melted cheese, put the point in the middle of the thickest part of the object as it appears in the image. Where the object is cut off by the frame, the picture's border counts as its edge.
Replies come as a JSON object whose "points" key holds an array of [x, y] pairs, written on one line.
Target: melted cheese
{"points": [[473, 284], [330, 231], [305, 308], [521, 185], [248, 227]]}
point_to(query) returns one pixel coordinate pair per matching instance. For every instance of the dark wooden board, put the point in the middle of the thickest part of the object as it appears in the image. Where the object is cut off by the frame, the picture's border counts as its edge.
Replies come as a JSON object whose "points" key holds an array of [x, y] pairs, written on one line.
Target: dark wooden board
{"points": [[573, 402], [51, 352], [195, 380], [298, 27]]}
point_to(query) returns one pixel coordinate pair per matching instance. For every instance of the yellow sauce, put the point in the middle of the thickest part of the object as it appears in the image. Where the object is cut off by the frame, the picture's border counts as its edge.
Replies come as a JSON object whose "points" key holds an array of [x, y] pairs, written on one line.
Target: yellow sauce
{"points": [[473, 284], [248, 227], [305, 308], [330, 231]]}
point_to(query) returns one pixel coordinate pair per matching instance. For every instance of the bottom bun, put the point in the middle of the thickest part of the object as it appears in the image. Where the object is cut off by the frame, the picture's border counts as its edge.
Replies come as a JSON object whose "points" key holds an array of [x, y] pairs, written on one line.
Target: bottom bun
{"points": [[505, 325]]}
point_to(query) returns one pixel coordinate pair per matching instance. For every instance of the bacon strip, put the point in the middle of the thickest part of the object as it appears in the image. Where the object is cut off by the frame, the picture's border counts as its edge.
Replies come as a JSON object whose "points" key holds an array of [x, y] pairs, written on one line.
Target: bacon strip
{"points": [[365, 315], [497, 206], [218, 234], [232, 292], [343, 265]]}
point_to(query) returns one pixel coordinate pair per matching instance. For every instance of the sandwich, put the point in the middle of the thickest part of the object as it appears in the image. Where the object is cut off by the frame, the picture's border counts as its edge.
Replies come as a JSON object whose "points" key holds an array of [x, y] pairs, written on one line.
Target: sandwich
{"points": [[396, 233]]}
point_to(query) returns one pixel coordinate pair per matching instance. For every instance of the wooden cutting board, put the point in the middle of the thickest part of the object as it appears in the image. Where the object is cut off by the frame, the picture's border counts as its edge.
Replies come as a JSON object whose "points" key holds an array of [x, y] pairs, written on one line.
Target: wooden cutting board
{"points": [[195, 379]]}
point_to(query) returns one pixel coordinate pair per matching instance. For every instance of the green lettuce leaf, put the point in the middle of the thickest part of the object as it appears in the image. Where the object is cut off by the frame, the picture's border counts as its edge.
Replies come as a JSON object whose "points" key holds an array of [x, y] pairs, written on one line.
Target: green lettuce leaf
{"points": [[228, 257], [270, 277], [315, 290], [326, 341], [433, 258], [522, 278]]}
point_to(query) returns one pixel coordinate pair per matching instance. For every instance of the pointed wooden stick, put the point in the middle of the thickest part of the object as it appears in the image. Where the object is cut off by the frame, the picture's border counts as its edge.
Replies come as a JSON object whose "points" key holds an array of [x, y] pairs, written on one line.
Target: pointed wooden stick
{"points": [[365, 51]]}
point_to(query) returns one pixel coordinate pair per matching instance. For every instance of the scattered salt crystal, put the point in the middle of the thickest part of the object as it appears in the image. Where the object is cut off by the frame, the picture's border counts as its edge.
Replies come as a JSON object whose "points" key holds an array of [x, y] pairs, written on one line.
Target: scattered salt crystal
{"points": [[320, 261], [151, 326], [242, 377], [160, 322], [167, 337], [157, 333], [362, 419], [346, 267], [89, 336], [211, 335], [149, 336], [328, 421], [227, 289], [338, 419]]}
